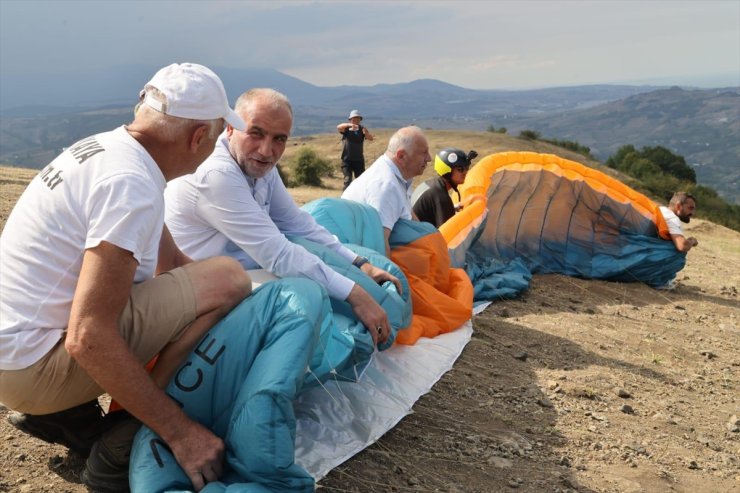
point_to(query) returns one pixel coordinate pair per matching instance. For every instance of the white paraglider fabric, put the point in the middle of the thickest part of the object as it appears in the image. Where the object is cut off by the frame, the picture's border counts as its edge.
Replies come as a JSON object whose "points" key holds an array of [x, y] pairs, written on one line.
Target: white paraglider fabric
{"points": [[340, 419]]}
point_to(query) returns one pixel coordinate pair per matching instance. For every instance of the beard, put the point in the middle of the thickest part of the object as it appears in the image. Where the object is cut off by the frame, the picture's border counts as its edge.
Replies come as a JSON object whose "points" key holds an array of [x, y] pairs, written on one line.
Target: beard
{"points": [[685, 219]]}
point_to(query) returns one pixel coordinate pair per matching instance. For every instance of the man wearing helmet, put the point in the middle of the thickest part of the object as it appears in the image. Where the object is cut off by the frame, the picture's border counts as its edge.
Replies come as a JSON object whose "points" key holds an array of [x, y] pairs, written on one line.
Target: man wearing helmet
{"points": [[431, 200], [353, 137]]}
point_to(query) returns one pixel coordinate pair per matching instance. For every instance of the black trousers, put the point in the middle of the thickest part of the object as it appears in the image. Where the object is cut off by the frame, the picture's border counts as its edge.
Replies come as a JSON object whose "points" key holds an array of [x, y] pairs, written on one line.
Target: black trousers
{"points": [[350, 167]]}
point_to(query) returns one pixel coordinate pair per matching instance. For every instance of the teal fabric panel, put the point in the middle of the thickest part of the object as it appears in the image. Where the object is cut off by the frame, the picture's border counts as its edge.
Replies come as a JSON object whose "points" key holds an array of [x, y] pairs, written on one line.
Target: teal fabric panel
{"points": [[285, 338], [397, 306], [351, 222], [240, 382], [495, 280], [406, 231]]}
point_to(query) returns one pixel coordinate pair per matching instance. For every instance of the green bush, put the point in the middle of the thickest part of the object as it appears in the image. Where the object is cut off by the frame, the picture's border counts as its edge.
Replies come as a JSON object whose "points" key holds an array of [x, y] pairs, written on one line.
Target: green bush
{"points": [[640, 168], [621, 155], [529, 135], [285, 178], [571, 145], [714, 207], [308, 168], [665, 160], [670, 163]]}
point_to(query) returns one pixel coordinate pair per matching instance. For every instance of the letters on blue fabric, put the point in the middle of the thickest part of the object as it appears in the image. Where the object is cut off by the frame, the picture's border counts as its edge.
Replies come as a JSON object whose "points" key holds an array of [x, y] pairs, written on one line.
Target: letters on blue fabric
{"points": [[243, 376]]}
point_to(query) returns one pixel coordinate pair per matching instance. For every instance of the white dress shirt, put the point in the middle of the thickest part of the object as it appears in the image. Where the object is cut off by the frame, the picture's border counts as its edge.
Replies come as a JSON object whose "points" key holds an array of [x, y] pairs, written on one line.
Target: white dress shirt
{"points": [[219, 210]]}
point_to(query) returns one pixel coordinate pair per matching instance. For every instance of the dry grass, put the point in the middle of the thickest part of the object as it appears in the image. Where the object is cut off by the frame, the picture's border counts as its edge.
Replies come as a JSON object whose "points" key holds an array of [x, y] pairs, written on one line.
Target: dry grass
{"points": [[329, 146]]}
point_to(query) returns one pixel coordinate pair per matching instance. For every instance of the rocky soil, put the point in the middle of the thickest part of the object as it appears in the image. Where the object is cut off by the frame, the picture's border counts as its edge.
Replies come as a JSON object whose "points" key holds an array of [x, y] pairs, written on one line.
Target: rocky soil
{"points": [[576, 386]]}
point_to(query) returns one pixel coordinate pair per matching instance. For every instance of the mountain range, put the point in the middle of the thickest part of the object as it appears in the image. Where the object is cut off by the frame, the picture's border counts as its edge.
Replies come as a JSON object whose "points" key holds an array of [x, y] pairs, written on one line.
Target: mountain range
{"points": [[42, 113], [701, 125]]}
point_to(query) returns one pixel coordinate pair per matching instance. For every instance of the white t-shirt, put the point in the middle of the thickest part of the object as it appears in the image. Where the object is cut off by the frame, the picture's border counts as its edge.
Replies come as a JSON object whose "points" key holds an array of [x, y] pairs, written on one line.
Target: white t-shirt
{"points": [[218, 210], [103, 188], [672, 221], [382, 187]]}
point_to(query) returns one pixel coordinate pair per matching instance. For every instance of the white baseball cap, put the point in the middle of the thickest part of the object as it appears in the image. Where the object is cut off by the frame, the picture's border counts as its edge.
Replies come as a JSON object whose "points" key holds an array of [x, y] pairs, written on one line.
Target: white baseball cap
{"points": [[194, 92]]}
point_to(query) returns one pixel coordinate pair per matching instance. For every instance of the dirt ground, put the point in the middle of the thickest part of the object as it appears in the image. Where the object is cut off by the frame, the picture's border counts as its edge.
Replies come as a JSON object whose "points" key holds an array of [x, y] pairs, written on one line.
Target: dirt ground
{"points": [[577, 385]]}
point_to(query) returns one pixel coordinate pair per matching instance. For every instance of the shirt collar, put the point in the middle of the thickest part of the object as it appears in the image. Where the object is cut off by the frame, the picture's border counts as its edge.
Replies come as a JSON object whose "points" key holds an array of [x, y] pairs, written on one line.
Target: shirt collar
{"points": [[397, 173]]}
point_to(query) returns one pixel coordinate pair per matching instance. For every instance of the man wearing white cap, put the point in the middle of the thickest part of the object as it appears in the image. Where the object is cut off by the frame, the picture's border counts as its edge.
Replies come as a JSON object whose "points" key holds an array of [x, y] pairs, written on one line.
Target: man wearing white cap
{"points": [[80, 310], [353, 138]]}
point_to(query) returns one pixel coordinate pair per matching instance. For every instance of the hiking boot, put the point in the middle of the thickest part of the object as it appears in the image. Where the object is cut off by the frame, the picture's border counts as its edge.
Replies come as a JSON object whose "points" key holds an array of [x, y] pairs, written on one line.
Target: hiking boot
{"points": [[106, 469], [76, 428]]}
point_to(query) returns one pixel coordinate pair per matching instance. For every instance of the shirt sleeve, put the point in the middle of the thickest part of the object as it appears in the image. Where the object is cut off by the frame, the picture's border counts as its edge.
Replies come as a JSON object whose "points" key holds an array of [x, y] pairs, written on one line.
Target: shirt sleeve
{"points": [[132, 227], [672, 221], [293, 221], [225, 201]]}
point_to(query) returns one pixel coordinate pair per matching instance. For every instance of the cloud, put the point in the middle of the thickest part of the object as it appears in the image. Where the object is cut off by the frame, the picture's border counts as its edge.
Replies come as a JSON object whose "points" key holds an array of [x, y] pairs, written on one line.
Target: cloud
{"points": [[472, 43]]}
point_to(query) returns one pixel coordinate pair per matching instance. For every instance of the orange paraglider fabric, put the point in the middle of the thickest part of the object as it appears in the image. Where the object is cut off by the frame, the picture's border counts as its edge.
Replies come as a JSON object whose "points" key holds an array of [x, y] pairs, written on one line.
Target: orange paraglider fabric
{"points": [[558, 216], [442, 297]]}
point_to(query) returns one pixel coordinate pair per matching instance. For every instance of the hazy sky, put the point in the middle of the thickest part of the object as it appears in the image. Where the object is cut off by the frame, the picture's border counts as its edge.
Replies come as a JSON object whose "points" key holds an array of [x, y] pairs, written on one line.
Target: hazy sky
{"points": [[474, 44]]}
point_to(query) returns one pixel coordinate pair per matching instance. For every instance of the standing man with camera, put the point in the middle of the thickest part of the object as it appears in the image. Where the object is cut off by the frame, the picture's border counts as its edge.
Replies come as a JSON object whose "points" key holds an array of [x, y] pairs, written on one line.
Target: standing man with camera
{"points": [[353, 137]]}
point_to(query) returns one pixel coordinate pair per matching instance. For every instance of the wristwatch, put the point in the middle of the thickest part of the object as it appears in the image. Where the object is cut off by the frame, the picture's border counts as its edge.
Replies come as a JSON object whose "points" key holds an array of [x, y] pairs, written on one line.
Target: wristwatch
{"points": [[360, 261]]}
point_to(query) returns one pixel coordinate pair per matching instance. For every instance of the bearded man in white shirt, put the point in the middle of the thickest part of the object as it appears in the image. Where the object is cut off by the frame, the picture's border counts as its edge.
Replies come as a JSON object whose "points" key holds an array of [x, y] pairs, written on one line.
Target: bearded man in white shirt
{"points": [[235, 204], [679, 210]]}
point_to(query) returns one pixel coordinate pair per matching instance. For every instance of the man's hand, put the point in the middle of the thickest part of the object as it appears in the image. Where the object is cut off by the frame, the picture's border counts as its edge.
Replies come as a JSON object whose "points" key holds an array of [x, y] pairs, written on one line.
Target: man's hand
{"points": [[200, 453], [380, 276], [684, 244], [370, 313]]}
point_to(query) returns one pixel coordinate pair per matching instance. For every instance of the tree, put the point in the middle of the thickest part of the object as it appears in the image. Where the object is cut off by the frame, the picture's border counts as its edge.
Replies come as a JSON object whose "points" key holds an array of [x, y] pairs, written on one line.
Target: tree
{"points": [[670, 163], [662, 173], [620, 155]]}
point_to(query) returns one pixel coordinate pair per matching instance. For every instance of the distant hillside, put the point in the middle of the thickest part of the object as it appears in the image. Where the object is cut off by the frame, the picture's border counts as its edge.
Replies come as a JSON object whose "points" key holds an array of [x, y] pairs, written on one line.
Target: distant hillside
{"points": [[41, 114], [34, 130], [701, 125], [29, 94]]}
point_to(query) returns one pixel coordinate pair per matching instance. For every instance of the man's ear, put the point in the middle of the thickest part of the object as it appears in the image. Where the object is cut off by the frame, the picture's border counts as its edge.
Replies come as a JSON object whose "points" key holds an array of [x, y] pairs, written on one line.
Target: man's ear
{"points": [[199, 137], [229, 130]]}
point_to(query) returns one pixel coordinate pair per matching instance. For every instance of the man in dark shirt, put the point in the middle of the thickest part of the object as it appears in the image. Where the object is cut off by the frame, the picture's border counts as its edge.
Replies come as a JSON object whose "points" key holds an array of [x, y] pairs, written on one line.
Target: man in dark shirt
{"points": [[431, 201], [353, 137]]}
